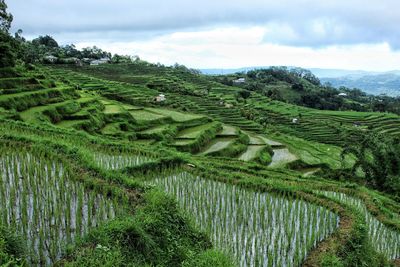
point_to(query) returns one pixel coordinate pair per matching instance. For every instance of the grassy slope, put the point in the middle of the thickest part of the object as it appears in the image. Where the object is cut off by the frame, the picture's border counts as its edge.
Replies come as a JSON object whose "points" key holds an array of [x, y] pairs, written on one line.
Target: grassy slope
{"points": [[251, 174]]}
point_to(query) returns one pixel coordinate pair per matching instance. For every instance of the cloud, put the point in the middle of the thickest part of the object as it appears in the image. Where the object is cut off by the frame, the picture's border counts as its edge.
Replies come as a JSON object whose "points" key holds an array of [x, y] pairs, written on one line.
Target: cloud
{"points": [[295, 23], [234, 47]]}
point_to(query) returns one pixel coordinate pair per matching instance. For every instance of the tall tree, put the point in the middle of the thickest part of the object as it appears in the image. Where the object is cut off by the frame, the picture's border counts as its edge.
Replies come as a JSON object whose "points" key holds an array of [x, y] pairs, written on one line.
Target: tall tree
{"points": [[379, 159], [8, 45], [5, 17]]}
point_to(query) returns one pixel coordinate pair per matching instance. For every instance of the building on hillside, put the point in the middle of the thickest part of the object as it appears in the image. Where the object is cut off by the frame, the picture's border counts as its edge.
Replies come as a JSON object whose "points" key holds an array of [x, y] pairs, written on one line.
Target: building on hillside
{"points": [[342, 94], [160, 98], [50, 59], [240, 80], [295, 120], [100, 61]]}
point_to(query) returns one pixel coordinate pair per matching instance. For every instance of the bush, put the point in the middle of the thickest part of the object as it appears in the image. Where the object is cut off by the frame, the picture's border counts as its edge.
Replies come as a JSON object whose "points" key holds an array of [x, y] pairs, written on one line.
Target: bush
{"points": [[12, 249], [158, 235], [209, 258]]}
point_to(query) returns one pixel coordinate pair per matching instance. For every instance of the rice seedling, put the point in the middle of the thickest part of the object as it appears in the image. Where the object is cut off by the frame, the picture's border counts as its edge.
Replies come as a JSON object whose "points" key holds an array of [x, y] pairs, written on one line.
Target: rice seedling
{"points": [[383, 239], [255, 228], [120, 161], [41, 201]]}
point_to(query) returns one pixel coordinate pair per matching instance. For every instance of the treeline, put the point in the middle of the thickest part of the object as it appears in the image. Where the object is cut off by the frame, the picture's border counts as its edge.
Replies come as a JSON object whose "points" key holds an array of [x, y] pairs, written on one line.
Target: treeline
{"points": [[45, 49], [301, 87]]}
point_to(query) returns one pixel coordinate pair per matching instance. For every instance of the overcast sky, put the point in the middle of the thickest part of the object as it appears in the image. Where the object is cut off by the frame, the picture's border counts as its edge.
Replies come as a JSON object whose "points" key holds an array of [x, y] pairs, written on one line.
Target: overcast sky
{"points": [[346, 34]]}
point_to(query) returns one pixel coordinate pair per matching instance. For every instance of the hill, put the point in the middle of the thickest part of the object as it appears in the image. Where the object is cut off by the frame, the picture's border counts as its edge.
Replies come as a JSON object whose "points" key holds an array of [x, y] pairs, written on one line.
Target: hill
{"points": [[102, 131], [386, 83]]}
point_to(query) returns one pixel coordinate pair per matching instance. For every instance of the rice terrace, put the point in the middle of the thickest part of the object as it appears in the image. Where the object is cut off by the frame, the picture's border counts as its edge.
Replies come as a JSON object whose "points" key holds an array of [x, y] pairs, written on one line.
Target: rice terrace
{"points": [[107, 159]]}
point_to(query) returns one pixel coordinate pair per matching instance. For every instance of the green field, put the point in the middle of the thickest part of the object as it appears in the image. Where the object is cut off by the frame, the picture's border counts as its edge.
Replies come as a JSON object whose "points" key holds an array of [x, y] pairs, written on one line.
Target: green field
{"points": [[204, 178]]}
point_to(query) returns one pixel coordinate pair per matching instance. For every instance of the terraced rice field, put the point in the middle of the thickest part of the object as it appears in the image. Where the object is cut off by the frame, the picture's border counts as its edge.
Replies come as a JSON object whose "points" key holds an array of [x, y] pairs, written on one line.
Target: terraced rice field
{"points": [[120, 161], [228, 130], [193, 132], [175, 115], [256, 229], [217, 144], [281, 157], [45, 206], [146, 116], [251, 152], [113, 109], [382, 238]]}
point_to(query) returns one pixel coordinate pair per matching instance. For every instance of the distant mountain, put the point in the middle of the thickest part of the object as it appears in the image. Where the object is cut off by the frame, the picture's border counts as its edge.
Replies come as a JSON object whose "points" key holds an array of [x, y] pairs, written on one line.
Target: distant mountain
{"points": [[385, 83], [229, 71], [371, 82]]}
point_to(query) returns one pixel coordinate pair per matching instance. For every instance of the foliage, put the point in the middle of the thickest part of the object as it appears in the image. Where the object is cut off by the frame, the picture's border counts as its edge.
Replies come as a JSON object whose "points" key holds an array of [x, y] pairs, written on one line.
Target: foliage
{"points": [[46, 41], [12, 248], [5, 17], [158, 235], [378, 159]]}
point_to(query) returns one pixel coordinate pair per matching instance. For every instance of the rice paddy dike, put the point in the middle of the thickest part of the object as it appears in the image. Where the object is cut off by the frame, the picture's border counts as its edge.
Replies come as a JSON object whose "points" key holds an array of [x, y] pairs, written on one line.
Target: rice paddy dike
{"points": [[94, 171]]}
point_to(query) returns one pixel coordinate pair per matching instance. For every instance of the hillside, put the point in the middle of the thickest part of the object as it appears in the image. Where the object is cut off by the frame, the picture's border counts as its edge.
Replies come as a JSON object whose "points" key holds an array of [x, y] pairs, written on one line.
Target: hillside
{"points": [[384, 83], [101, 131]]}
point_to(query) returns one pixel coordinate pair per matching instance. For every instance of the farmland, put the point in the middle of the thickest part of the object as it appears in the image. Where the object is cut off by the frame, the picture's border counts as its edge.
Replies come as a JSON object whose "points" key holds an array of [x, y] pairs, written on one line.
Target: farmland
{"points": [[100, 173]]}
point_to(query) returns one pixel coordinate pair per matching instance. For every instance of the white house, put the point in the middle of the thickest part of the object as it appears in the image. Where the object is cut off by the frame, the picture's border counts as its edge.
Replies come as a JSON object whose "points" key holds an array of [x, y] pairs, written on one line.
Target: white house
{"points": [[160, 98], [342, 94], [99, 61], [50, 59], [295, 120], [240, 80]]}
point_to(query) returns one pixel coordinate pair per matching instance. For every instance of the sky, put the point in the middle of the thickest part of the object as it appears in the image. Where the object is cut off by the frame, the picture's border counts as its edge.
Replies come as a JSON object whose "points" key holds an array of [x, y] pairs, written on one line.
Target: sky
{"points": [[340, 34]]}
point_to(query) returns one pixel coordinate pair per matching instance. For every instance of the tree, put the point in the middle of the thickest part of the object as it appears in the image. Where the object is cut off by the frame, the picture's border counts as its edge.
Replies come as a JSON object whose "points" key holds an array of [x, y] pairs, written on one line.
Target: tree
{"points": [[7, 50], [244, 94], [46, 40], [8, 45], [378, 158], [298, 87], [5, 17]]}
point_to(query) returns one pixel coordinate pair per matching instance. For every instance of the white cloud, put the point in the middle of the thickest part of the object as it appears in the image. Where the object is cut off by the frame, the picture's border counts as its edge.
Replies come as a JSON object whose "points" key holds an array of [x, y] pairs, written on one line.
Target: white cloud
{"points": [[233, 47], [226, 33]]}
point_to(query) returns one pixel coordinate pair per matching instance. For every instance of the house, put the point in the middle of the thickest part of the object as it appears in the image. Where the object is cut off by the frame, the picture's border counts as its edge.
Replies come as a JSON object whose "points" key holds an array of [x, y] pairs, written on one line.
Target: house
{"points": [[240, 80], [295, 120], [342, 94], [97, 62], [50, 59], [160, 98]]}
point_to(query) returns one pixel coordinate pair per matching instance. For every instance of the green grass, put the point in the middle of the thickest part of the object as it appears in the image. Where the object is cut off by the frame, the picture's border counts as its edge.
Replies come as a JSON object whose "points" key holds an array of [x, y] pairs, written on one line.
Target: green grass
{"points": [[71, 123], [158, 236], [111, 128], [175, 115], [228, 130], [251, 153], [313, 153], [281, 157], [146, 116], [194, 132], [156, 129], [217, 144], [113, 109]]}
